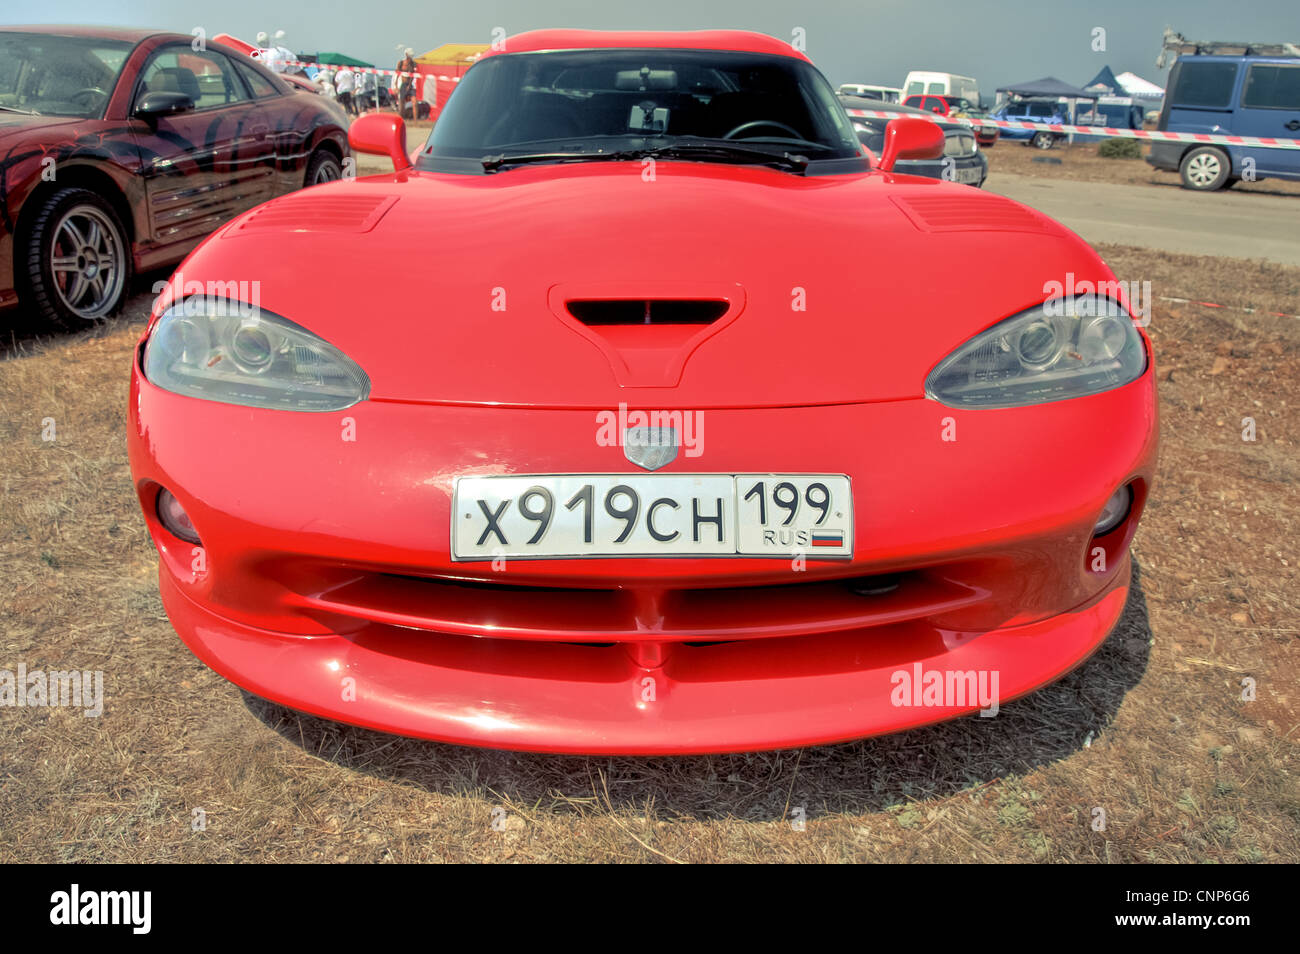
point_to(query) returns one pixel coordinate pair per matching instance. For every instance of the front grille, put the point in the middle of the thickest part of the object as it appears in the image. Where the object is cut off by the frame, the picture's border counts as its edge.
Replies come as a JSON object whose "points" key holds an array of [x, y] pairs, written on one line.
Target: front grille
{"points": [[959, 145], [566, 614]]}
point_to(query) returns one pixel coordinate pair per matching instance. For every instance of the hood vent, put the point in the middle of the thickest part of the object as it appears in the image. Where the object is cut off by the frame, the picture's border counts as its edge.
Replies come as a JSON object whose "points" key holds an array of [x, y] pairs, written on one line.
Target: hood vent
{"points": [[960, 213], [312, 212], [646, 311], [646, 329]]}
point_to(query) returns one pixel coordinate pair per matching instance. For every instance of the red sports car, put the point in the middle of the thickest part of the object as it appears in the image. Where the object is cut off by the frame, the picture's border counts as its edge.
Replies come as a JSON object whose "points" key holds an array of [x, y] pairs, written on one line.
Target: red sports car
{"points": [[650, 454], [121, 150]]}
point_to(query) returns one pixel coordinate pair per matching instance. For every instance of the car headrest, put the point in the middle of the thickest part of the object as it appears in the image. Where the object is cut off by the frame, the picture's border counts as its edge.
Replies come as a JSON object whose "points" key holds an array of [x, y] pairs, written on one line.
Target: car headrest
{"points": [[177, 79]]}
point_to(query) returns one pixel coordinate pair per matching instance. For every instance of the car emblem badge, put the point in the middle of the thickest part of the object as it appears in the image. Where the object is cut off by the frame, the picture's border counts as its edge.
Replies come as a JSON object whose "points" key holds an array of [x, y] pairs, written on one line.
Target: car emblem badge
{"points": [[650, 447]]}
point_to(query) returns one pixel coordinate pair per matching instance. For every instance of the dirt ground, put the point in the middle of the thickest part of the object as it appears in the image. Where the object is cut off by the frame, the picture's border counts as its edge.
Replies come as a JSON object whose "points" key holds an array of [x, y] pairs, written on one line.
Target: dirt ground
{"points": [[1153, 729], [1082, 163]]}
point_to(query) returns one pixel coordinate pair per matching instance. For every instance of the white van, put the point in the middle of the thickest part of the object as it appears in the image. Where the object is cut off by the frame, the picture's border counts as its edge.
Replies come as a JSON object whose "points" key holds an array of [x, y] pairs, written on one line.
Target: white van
{"points": [[886, 94], [941, 84]]}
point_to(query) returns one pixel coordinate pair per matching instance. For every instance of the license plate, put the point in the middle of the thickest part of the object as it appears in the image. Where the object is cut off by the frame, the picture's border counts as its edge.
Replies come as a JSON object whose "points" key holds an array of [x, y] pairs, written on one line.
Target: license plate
{"points": [[968, 176], [652, 515]]}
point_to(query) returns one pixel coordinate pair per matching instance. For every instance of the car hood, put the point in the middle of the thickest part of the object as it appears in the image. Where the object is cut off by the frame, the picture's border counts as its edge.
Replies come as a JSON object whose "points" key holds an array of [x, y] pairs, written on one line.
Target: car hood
{"points": [[457, 288], [13, 126]]}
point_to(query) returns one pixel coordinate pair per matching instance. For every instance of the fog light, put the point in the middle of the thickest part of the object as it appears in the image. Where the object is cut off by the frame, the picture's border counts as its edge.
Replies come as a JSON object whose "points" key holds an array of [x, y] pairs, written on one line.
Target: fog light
{"points": [[174, 517], [1113, 514]]}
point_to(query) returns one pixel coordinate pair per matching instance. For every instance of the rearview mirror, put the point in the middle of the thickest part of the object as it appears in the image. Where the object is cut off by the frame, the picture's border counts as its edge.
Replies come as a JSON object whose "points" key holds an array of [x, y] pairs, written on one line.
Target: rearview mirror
{"points": [[163, 103], [381, 134], [910, 138]]}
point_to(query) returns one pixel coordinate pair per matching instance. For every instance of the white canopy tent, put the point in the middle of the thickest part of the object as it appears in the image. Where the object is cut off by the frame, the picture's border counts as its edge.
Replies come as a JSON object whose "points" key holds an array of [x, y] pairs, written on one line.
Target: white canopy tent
{"points": [[1135, 86]]}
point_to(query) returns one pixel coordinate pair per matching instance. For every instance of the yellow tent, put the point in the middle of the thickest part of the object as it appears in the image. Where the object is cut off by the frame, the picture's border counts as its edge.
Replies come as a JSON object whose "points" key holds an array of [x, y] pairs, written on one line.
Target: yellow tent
{"points": [[452, 55]]}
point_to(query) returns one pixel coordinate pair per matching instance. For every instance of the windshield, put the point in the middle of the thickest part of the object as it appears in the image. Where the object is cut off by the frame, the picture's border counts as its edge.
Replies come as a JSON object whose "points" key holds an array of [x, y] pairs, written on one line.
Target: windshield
{"points": [[606, 101], [58, 75]]}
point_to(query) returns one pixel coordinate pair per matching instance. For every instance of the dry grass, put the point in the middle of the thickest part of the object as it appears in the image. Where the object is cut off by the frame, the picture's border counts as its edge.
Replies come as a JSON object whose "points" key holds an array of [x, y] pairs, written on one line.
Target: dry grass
{"points": [[1082, 163], [1185, 771]]}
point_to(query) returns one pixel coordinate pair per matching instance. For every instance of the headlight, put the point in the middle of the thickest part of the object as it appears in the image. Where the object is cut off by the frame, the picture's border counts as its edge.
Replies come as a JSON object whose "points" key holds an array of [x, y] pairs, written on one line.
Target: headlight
{"points": [[1064, 348], [228, 351]]}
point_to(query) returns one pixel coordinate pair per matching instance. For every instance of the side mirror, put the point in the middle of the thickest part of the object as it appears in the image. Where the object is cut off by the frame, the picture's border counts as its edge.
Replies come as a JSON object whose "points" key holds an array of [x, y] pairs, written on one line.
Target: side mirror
{"points": [[162, 103], [381, 134], [910, 138]]}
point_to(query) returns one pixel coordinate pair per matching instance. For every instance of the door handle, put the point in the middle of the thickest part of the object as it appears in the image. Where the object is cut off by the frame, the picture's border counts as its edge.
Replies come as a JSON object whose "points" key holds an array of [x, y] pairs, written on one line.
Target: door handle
{"points": [[1293, 125]]}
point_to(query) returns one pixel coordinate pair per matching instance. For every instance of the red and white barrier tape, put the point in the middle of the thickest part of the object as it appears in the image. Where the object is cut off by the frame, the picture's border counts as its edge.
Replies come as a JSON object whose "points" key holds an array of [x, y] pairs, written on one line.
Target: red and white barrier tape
{"points": [[1210, 304], [1153, 135]]}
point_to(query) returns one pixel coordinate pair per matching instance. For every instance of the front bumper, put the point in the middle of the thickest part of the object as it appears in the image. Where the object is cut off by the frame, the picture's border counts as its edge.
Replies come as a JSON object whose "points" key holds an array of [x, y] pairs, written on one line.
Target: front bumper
{"points": [[325, 581], [599, 699]]}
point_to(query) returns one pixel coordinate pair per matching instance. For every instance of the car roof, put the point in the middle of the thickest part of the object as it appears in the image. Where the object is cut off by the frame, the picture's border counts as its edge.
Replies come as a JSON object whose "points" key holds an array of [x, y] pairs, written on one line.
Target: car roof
{"points": [[126, 34], [865, 102], [743, 41], [1240, 57]]}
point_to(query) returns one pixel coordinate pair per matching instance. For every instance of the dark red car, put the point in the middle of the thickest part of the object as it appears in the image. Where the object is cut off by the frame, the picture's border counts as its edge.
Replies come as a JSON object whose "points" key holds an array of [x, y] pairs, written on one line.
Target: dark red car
{"points": [[956, 107], [120, 150]]}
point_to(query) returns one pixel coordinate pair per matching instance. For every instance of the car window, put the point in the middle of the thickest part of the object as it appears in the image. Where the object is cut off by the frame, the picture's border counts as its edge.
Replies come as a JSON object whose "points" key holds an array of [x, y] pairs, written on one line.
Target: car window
{"points": [[913, 88], [593, 100], [871, 133], [260, 85], [935, 88], [1272, 87], [58, 75], [206, 77], [1203, 84]]}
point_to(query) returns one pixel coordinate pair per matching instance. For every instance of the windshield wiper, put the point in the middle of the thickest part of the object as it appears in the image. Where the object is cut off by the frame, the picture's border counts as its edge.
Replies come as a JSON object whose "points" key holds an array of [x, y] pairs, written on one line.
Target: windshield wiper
{"points": [[493, 163], [700, 151], [25, 112]]}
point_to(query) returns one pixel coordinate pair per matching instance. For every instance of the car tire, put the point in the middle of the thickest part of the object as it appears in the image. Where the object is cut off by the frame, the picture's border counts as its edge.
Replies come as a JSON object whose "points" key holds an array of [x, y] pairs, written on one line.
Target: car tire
{"points": [[323, 166], [76, 259], [1043, 139], [1205, 169]]}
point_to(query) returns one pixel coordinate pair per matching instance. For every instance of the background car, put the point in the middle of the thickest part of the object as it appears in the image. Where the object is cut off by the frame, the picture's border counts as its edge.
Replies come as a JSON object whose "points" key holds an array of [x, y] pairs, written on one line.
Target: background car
{"points": [[121, 150], [986, 134], [944, 84], [962, 160], [957, 107], [886, 94], [1032, 111], [1230, 95]]}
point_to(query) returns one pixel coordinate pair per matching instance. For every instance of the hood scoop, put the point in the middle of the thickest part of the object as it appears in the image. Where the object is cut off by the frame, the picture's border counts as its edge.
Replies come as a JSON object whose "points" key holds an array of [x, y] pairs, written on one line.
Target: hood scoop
{"points": [[647, 331], [593, 312]]}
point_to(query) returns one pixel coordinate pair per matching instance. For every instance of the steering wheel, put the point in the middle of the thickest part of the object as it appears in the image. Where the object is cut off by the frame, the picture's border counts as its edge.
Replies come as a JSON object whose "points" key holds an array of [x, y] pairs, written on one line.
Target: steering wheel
{"points": [[88, 91], [758, 124]]}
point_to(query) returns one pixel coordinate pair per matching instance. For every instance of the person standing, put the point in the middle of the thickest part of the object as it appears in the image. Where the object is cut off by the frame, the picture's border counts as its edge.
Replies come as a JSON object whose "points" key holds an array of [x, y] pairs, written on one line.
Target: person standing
{"points": [[344, 81], [406, 83]]}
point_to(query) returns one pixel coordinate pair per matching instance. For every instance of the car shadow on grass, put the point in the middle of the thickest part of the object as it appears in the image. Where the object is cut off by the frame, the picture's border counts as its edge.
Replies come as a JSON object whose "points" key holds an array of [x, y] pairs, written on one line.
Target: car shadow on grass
{"points": [[24, 333], [865, 776]]}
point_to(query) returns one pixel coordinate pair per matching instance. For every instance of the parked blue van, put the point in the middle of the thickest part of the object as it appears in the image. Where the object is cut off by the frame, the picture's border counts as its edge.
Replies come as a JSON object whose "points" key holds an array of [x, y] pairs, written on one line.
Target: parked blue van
{"points": [[1231, 95]]}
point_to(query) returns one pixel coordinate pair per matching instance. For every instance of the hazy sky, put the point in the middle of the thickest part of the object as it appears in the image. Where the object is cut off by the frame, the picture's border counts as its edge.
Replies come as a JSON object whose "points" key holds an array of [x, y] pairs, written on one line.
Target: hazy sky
{"points": [[869, 41]]}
